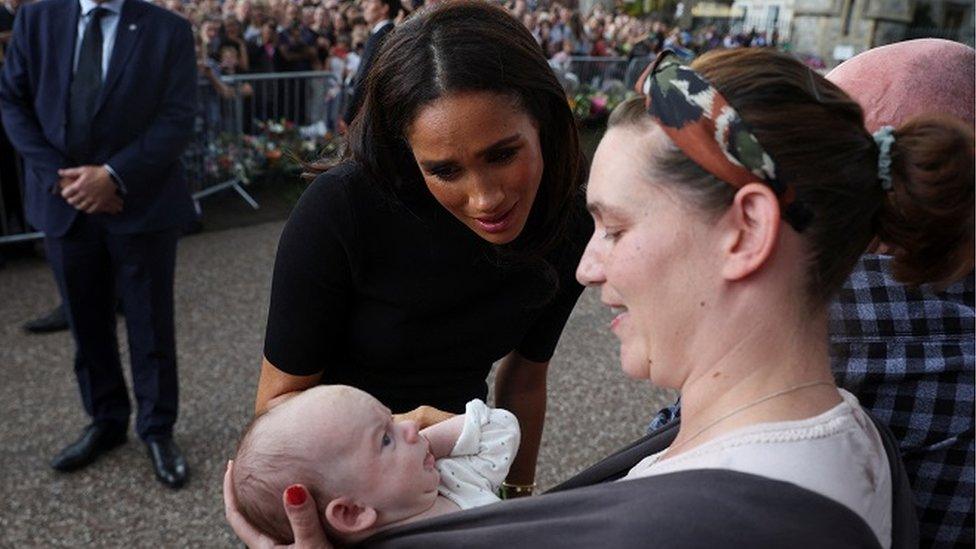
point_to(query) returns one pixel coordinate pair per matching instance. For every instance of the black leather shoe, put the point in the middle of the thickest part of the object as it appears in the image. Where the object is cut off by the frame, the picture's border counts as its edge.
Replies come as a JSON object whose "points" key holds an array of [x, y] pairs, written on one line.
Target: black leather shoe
{"points": [[53, 321], [168, 462], [97, 439]]}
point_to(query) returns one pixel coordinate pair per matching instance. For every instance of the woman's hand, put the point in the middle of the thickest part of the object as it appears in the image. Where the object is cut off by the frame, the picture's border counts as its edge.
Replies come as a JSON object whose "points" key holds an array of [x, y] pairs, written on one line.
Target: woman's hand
{"points": [[425, 416], [301, 511]]}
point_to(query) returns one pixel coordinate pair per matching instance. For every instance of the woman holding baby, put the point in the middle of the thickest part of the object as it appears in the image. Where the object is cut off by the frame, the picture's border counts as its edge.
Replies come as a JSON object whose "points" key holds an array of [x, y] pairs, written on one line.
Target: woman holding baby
{"points": [[730, 203]]}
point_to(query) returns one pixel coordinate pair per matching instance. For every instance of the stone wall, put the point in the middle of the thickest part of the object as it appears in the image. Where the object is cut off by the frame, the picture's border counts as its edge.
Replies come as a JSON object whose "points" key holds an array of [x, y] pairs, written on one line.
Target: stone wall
{"points": [[757, 16], [819, 25]]}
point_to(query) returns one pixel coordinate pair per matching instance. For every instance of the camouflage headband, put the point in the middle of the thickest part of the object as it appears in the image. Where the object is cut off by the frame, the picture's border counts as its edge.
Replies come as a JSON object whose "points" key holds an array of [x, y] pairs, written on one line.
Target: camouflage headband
{"points": [[707, 129]]}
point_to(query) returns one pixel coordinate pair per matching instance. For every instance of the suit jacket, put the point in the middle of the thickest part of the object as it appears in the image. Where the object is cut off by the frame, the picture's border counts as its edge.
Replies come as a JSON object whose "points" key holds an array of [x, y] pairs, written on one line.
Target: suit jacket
{"points": [[373, 45], [143, 121]]}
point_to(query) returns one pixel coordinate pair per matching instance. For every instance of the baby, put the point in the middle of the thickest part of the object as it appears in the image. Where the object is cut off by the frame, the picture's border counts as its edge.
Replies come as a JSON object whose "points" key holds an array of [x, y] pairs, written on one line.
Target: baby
{"points": [[366, 472]]}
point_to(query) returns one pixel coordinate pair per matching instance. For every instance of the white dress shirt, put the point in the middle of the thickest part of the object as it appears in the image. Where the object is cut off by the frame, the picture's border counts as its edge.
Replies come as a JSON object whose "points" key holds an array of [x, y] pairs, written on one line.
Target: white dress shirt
{"points": [[379, 25], [110, 26]]}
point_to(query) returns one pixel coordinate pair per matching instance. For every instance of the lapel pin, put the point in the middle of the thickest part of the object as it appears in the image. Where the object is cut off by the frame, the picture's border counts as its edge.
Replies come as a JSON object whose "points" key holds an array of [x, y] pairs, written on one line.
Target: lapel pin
{"points": [[132, 27]]}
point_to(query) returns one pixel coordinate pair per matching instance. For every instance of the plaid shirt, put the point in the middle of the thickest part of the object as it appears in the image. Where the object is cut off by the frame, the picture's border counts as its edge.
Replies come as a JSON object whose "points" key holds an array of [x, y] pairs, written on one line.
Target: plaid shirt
{"points": [[908, 355]]}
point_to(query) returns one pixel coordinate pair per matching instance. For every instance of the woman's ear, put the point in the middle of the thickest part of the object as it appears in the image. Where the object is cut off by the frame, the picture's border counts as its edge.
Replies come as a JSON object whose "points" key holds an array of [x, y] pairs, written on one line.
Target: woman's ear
{"points": [[752, 229], [348, 517]]}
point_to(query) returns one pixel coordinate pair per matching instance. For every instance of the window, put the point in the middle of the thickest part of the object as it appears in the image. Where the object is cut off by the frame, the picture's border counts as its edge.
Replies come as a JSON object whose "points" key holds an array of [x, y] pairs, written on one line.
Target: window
{"points": [[848, 15]]}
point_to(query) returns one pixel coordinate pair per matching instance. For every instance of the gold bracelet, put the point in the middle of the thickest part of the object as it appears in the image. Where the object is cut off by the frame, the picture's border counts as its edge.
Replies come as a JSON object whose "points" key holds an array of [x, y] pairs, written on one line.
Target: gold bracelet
{"points": [[512, 491]]}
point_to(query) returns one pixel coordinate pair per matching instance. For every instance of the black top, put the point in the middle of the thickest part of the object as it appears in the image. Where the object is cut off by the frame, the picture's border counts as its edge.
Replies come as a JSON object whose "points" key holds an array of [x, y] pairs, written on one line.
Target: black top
{"points": [[399, 298]]}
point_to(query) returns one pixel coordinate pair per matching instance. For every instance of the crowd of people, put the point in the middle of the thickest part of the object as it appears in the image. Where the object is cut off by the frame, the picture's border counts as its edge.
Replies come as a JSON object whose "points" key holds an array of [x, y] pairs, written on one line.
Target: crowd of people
{"points": [[240, 36], [282, 36]]}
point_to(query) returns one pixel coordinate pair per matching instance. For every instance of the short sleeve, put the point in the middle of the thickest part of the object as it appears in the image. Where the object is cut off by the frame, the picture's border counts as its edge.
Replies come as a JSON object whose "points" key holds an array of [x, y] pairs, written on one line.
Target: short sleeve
{"points": [[488, 443], [482, 425], [539, 343], [312, 281]]}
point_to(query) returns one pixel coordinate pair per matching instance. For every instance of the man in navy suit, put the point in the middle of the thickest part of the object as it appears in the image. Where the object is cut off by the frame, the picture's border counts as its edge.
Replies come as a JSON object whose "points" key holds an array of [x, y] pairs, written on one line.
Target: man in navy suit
{"points": [[99, 99]]}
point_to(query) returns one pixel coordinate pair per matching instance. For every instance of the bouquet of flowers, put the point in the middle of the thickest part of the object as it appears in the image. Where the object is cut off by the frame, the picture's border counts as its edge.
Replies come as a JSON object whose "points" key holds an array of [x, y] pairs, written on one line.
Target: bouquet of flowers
{"points": [[593, 106], [277, 151], [228, 158]]}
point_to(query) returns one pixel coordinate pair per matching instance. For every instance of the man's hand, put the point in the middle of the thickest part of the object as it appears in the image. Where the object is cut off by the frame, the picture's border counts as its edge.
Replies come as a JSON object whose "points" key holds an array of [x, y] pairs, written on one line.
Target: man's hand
{"points": [[90, 189]]}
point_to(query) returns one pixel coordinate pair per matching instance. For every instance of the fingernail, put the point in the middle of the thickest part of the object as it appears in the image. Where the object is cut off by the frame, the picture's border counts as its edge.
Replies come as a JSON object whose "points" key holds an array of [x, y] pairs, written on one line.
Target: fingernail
{"points": [[295, 495]]}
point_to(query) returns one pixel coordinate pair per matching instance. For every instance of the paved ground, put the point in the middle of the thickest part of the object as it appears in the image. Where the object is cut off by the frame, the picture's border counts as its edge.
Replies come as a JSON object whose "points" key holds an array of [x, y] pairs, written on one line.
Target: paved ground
{"points": [[223, 279]]}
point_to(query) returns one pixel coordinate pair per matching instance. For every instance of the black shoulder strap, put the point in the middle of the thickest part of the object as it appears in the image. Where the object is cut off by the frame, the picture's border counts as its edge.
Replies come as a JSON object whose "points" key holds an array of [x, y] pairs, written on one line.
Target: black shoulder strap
{"points": [[684, 510], [617, 464]]}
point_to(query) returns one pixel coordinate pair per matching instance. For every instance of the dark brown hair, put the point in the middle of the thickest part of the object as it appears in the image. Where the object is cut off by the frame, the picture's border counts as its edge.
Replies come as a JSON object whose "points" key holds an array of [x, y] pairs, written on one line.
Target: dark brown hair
{"points": [[928, 217], [815, 133], [464, 46], [394, 7]]}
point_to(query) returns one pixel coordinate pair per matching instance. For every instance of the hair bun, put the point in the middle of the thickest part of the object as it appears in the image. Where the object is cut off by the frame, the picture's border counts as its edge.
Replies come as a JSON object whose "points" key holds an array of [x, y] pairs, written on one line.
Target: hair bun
{"points": [[927, 218]]}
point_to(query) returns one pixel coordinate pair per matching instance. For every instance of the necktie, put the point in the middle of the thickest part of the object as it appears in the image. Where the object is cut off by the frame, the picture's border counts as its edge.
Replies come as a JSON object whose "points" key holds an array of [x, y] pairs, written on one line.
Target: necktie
{"points": [[85, 87]]}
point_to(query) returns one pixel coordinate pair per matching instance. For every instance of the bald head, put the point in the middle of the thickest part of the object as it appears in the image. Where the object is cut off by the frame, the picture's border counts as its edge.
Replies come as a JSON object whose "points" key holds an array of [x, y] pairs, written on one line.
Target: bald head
{"points": [[897, 82]]}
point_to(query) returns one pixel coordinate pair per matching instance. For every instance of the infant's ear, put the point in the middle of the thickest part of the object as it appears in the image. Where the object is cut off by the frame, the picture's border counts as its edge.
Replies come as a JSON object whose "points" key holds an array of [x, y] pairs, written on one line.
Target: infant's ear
{"points": [[348, 517]]}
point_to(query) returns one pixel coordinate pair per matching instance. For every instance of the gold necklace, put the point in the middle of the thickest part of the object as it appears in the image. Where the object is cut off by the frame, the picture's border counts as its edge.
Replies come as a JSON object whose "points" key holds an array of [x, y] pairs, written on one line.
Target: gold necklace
{"points": [[746, 407]]}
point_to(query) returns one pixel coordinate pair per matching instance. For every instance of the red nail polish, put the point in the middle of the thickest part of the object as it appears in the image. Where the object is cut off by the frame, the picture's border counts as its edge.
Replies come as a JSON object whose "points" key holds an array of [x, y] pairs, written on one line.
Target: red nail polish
{"points": [[295, 495]]}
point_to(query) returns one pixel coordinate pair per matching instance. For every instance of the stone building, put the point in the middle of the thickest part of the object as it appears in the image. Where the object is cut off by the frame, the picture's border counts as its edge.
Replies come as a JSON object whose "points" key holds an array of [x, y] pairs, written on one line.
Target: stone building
{"points": [[835, 30], [765, 16]]}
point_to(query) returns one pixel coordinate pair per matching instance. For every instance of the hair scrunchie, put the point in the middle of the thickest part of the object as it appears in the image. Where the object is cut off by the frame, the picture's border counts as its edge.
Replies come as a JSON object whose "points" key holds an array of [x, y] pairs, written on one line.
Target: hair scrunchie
{"points": [[884, 138]]}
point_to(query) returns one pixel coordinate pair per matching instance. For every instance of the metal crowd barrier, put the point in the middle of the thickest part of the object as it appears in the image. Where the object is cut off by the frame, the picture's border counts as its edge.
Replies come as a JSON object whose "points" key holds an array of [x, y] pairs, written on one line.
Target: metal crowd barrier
{"points": [[597, 73], [311, 100]]}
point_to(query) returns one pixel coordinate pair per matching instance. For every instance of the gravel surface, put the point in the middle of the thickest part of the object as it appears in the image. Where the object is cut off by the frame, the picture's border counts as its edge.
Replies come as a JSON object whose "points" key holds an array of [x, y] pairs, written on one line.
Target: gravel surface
{"points": [[222, 285]]}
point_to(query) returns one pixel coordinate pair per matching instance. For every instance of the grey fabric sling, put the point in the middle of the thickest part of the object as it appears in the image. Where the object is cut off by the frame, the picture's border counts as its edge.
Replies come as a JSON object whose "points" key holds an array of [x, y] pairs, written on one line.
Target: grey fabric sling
{"points": [[700, 508]]}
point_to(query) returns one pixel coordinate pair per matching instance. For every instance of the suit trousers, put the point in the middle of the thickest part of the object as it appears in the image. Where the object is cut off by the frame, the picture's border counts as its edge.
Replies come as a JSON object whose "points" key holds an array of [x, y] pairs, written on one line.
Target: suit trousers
{"points": [[94, 269]]}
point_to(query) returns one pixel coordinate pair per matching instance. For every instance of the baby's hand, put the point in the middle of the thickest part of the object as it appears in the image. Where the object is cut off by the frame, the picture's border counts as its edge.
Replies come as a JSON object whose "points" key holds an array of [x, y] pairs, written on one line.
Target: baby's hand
{"points": [[425, 416], [444, 435]]}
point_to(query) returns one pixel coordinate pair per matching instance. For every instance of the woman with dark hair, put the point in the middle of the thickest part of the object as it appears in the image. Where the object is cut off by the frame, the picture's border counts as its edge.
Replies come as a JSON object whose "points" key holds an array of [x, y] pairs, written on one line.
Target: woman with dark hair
{"points": [[577, 36], [265, 55], [447, 238], [730, 205]]}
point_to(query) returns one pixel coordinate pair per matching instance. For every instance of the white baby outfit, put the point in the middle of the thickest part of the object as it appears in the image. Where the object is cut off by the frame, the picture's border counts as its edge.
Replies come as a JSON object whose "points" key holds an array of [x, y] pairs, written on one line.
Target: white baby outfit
{"points": [[480, 459]]}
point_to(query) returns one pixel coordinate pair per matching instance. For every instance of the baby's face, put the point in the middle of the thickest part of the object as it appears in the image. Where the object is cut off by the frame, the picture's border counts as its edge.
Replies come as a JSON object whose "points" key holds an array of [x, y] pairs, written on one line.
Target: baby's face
{"points": [[387, 465]]}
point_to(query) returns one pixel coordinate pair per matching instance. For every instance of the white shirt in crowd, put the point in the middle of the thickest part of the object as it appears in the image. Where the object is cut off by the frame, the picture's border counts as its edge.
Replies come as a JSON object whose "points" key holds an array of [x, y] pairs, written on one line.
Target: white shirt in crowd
{"points": [[379, 25]]}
